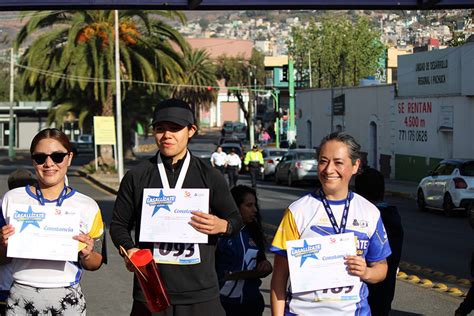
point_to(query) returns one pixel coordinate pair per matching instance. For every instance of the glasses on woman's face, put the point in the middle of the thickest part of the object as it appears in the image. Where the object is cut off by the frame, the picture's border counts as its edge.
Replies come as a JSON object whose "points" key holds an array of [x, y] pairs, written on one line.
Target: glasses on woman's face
{"points": [[40, 158]]}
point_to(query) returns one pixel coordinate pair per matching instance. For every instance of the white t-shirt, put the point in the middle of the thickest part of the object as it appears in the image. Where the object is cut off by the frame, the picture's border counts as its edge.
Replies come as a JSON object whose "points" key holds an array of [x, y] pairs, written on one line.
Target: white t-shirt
{"points": [[48, 273], [218, 159], [234, 160]]}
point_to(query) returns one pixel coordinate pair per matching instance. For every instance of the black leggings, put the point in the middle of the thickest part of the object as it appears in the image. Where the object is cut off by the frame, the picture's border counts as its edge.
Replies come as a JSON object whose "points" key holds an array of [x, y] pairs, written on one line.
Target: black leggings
{"points": [[212, 307]]}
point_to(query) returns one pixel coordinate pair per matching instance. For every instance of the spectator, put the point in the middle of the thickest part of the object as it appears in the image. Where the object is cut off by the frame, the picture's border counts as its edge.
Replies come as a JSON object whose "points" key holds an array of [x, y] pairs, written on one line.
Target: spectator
{"points": [[218, 159], [371, 185], [241, 260], [234, 163]]}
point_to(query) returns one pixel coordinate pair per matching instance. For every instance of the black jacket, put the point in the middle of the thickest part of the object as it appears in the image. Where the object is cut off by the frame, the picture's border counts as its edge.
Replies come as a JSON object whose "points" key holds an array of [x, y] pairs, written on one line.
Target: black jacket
{"points": [[185, 284]]}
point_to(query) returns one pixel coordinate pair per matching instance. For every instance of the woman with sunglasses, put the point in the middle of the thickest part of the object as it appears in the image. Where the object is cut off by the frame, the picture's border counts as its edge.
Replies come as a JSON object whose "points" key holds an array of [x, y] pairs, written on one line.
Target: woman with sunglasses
{"points": [[43, 287]]}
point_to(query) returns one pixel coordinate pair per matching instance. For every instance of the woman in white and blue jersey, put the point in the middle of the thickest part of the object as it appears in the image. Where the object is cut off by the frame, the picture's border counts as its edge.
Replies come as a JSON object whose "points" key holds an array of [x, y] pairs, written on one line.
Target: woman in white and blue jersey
{"points": [[51, 287], [332, 210]]}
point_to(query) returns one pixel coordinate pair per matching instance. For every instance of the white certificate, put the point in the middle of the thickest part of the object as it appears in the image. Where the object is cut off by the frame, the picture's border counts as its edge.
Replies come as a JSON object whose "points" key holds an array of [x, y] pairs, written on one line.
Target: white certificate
{"points": [[318, 263], [166, 214], [43, 232]]}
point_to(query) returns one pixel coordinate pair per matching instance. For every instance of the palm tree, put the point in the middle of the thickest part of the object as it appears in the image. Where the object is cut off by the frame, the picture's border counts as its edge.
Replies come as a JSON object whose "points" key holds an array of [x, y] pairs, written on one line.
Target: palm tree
{"points": [[196, 86], [72, 55]]}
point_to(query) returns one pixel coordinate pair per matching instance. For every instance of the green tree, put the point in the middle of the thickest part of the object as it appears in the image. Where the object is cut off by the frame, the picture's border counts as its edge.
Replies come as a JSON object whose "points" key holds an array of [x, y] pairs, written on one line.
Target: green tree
{"points": [[341, 52], [71, 60], [236, 71], [196, 85]]}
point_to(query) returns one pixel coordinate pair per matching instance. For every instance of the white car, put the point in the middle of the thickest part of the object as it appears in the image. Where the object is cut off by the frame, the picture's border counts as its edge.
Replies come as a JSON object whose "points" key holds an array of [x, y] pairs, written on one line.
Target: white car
{"points": [[271, 158], [297, 165], [449, 187]]}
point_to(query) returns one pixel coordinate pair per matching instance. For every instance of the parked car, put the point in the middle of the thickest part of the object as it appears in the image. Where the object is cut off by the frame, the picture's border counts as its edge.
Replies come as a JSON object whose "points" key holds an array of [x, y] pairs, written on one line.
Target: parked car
{"points": [[227, 147], [449, 187], [271, 157], [236, 129], [83, 144], [297, 165], [231, 140]]}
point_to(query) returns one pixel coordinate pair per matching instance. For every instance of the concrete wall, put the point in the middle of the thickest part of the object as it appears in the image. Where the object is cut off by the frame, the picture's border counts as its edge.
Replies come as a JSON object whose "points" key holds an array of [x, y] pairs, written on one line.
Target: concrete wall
{"points": [[367, 118], [403, 136]]}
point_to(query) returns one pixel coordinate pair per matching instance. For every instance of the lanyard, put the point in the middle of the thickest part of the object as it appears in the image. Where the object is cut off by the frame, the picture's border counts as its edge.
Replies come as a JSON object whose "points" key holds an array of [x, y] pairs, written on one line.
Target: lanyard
{"points": [[60, 199], [337, 229], [182, 173]]}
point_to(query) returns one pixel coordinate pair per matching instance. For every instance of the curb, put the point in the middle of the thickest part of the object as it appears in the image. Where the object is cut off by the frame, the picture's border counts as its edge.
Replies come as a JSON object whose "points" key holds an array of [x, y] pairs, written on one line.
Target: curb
{"points": [[427, 283], [97, 182]]}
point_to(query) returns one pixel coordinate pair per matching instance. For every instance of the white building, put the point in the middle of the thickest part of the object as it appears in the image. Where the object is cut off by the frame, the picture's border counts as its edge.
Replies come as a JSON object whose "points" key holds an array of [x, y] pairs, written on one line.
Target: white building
{"points": [[403, 133]]}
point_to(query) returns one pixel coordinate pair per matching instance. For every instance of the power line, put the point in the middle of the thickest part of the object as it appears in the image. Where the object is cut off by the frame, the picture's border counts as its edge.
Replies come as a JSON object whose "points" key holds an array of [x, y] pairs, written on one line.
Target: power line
{"points": [[101, 80]]}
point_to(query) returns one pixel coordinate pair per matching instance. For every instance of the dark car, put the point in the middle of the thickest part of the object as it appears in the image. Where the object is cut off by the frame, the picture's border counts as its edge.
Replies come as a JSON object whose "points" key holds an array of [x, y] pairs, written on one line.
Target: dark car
{"points": [[231, 140], [83, 144]]}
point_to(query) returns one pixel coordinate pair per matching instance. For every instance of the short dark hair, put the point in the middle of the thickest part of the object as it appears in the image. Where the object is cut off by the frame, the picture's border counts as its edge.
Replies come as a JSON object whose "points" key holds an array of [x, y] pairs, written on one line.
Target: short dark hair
{"points": [[370, 183], [53, 133], [20, 178], [352, 146]]}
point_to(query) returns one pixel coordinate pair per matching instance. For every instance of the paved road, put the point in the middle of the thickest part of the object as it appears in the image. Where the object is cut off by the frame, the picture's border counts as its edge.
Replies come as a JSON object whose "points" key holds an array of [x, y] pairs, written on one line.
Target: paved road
{"points": [[108, 290]]}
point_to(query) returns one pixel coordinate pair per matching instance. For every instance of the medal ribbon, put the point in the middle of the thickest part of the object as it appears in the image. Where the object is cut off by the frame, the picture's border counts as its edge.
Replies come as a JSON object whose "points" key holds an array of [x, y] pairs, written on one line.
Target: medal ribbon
{"points": [[60, 199], [332, 219], [182, 173]]}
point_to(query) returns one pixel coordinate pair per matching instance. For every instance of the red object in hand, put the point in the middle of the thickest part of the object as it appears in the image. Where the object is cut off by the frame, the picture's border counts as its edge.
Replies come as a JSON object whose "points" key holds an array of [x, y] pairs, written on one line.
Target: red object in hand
{"points": [[150, 280]]}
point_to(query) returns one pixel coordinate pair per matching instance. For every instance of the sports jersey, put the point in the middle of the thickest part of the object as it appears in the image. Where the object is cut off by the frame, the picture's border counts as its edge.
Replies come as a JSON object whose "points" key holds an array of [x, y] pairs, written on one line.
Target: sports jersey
{"points": [[49, 273], [235, 254], [307, 218]]}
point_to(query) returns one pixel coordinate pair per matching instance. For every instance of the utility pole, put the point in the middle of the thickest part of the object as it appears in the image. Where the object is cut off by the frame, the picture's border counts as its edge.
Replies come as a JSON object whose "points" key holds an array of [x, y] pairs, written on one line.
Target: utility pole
{"points": [[254, 118], [291, 135], [310, 71], [118, 99], [277, 119], [250, 109], [11, 127]]}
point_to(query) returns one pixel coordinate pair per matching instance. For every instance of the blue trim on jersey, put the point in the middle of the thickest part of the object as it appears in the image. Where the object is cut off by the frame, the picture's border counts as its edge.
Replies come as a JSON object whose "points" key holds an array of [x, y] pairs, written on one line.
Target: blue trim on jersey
{"points": [[4, 295], [34, 196], [3, 222], [78, 276], [315, 195], [278, 251], [379, 240]]}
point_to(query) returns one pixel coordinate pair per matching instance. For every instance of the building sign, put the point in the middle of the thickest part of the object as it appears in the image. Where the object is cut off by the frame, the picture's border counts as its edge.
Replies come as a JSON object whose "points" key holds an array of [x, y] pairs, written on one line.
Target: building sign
{"points": [[339, 105], [437, 72], [104, 130], [415, 125], [445, 119]]}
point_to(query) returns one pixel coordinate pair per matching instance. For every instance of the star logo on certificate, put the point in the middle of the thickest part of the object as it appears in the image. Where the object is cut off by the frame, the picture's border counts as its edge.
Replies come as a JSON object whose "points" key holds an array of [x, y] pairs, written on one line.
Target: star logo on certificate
{"points": [[305, 252], [161, 201], [29, 218]]}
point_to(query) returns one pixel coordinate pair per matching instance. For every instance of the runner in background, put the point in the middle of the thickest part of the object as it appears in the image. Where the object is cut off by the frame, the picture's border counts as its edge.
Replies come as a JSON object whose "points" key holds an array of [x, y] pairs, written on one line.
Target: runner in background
{"points": [[240, 260]]}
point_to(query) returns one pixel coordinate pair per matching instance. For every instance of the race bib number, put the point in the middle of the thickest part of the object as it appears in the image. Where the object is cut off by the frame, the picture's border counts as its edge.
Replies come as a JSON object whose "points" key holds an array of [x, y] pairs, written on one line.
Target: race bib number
{"points": [[176, 253], [344, 293]]}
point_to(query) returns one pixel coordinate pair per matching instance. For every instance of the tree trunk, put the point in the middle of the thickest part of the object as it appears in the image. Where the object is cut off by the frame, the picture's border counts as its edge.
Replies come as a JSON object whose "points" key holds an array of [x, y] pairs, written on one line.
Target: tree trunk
{"points": [[106, 158]]}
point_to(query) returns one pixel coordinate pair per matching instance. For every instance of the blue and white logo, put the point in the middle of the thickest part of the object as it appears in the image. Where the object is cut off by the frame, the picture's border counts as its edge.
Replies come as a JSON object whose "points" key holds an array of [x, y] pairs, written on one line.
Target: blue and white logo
{"points": [[305, 252], [29, 218], [160, 202]]}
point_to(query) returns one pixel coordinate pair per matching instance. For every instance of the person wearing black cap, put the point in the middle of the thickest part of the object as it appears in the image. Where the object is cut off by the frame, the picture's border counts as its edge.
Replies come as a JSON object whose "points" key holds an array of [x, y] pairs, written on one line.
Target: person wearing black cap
{"points": [[192, 288], [253, 162]]}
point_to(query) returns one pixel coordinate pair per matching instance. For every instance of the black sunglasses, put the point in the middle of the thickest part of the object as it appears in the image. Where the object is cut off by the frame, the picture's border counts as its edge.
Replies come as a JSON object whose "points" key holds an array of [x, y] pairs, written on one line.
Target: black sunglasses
{"points": [[56, 157]]}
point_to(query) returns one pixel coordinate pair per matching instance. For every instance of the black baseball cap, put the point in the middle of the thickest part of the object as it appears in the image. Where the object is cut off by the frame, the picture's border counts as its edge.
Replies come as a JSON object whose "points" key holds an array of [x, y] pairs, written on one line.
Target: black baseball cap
{"points": [[175, 111]]}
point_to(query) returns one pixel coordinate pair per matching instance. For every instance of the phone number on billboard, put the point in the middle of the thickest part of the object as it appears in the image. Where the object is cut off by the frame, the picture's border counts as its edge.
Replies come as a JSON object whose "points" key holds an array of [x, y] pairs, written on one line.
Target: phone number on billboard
{"points": [[412, 135]]}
